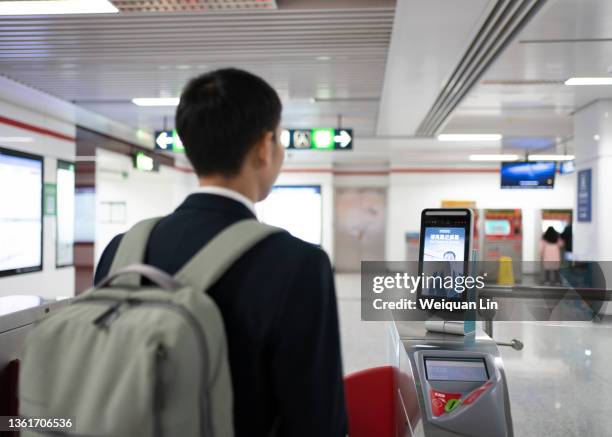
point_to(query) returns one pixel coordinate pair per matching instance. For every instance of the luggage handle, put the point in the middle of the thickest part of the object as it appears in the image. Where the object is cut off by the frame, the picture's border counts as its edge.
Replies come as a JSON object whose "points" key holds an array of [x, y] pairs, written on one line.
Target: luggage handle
{"points": [[157, 276]]}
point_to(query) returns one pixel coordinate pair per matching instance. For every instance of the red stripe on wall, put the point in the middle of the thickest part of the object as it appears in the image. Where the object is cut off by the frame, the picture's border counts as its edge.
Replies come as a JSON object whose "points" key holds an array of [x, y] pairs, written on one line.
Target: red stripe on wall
{"points": [[36, 129]]}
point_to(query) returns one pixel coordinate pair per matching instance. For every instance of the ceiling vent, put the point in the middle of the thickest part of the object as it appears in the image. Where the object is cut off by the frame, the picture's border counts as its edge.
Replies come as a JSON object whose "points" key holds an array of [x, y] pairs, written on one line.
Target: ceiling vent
{"points": [[192, 5], [504, 22]]}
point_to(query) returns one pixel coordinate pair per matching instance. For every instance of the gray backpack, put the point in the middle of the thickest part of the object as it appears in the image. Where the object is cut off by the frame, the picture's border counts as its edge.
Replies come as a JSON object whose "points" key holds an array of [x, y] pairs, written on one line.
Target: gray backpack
{"points": [[126, 359]]}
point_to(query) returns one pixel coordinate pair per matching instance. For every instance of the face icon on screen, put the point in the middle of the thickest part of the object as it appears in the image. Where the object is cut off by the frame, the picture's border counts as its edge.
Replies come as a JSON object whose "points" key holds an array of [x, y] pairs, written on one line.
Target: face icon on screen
{"points": [[449, 256]]}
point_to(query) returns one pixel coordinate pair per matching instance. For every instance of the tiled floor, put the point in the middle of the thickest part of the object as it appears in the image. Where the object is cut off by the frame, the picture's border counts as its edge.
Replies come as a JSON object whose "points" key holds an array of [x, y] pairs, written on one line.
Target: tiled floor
{"points": [[560, 384]]}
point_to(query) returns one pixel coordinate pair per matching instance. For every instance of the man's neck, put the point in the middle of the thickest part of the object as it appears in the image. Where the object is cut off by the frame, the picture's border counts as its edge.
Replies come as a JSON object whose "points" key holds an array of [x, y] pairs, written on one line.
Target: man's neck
{"points": [[238, 184]]}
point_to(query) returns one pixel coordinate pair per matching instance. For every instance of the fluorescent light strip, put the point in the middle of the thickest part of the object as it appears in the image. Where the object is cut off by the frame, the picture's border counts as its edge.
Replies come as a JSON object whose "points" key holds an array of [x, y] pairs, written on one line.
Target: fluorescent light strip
{"points": [[495, 158], [469, 137], [589, 81], [551, 157], [156, 101], [16, 139], [56, 7]]}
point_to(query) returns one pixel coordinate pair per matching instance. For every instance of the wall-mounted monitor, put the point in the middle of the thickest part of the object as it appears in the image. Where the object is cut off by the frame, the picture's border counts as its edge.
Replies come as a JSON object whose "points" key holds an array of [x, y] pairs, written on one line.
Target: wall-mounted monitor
{"points": [[21, 183], [64, 254], [567, 167], [296, 208], [538, 174]]}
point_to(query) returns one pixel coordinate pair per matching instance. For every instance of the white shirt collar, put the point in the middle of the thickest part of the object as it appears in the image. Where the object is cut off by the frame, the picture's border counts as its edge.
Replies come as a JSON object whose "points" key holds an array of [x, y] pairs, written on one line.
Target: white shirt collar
{"points": [[230, 194]]}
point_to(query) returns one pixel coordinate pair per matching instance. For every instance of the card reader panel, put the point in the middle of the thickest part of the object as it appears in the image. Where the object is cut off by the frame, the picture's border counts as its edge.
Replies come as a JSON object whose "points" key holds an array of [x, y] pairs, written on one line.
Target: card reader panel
{"points": [[463, 391]]}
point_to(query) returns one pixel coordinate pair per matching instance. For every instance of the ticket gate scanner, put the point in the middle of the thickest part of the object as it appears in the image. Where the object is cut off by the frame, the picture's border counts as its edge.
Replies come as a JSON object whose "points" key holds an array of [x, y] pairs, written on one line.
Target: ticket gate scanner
{"points": [[458, 382]]}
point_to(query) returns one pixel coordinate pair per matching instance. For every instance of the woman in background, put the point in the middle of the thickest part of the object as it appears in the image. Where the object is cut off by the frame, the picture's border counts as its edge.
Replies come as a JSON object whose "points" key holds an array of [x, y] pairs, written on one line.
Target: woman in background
{"points": [[550, 253]]}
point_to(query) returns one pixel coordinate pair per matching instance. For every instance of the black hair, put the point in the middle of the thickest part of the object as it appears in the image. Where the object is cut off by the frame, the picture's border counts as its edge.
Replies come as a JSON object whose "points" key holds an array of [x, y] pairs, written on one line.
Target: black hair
{"points": [[551, 236], [221, 115], [451, 252]]}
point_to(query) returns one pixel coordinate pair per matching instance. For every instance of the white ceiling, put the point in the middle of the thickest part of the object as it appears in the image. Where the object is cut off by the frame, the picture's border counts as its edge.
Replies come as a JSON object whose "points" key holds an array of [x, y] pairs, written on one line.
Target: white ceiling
{"points": [[101, 62], [523, 92]]}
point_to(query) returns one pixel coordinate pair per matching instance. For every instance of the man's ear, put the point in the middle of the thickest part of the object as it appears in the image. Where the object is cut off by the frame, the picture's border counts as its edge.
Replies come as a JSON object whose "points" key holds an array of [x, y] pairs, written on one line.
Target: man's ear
{"points": [[263, 150]]}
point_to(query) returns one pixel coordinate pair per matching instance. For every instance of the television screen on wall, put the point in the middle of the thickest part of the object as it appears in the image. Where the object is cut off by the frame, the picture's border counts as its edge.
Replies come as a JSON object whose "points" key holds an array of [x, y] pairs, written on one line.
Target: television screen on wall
{"points": [[21, 182], [64, 254], [538, 174], [296, 208]]}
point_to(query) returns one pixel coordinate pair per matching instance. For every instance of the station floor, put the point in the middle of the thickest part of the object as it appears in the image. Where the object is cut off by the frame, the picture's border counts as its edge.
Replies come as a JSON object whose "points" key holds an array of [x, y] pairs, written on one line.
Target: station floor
{"points": [[560, 384]]}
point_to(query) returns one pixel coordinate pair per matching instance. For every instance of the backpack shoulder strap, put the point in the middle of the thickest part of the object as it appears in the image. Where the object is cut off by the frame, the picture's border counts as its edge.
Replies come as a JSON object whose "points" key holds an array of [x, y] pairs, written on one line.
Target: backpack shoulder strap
{"points": [[211, 262], [132, 251]]}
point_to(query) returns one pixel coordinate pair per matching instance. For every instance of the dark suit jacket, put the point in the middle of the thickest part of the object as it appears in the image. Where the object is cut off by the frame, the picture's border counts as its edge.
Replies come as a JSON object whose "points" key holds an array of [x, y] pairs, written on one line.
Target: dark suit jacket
{"points": [[279, 307]]}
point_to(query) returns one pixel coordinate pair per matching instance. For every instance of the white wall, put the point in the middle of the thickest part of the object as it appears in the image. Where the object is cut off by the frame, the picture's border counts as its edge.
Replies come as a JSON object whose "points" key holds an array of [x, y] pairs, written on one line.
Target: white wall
{"points": [[410, 193], [145, 194], [51, 281]]}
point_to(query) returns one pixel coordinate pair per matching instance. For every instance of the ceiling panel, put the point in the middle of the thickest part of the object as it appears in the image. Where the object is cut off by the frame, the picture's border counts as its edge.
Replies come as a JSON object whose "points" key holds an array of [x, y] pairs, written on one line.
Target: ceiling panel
{"points": [[567, 38], [101, 62]]}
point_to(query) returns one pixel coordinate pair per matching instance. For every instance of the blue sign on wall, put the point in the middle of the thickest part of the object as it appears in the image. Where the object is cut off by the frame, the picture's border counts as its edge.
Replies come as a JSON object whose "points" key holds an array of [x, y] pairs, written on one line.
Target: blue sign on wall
{"points": [[584, 195]]}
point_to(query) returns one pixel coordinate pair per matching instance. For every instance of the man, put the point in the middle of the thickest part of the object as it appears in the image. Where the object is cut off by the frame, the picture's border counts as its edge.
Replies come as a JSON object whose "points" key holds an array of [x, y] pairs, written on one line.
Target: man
{"points": [[278, 301]]}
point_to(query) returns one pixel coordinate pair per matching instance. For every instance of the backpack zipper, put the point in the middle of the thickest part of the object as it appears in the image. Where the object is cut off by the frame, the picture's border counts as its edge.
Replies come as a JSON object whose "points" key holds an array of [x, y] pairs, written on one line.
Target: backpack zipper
{"points": [[195, 327]]}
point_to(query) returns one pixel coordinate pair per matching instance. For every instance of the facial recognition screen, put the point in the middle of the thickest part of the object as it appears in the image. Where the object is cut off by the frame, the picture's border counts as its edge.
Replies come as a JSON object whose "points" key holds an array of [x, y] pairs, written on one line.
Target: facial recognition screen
{"points": [[456, 370], [21, 180], [298, 209], [444, 244], [65, 214]]}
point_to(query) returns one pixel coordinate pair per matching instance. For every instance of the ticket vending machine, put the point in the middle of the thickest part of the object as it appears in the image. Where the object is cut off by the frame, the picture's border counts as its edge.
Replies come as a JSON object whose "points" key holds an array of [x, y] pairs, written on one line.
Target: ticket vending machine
{"points": [[458, 382], [502, 235]]}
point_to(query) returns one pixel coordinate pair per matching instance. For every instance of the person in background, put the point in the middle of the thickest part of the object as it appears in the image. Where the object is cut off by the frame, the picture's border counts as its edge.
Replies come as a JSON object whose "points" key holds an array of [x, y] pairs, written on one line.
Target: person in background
{"points": [[566, 236], [278, 301], [550, 254]]}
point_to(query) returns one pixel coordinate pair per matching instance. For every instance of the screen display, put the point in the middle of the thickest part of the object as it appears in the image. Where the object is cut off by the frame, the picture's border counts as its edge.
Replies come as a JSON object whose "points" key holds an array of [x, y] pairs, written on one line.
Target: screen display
{"points": [[440, 369], [298, 209], [528, 174], [21, 179], [444, 252], [567, 167], [444, 244], [497, 227], [65, 214]]}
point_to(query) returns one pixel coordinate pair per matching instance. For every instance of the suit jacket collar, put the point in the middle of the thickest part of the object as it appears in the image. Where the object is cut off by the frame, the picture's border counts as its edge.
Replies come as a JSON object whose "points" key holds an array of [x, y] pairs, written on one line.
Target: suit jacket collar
{"points": [[215, 202]]}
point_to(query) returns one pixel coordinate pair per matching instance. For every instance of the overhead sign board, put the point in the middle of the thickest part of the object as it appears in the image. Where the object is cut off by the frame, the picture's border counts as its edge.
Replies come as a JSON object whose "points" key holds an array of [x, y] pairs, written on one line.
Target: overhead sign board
{"points": [[317, 139], [169, 141], [295, 139]]}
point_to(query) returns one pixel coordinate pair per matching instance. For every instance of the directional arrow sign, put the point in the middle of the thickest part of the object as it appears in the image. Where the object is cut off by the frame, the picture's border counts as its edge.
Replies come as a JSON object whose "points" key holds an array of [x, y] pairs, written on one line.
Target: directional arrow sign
{"points": [[343, 139], [163, 140], [168, 140]]}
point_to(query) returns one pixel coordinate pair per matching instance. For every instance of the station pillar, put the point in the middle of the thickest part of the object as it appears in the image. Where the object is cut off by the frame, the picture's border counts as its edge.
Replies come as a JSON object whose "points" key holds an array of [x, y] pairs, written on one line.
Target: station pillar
{"points": [[592, 229]]}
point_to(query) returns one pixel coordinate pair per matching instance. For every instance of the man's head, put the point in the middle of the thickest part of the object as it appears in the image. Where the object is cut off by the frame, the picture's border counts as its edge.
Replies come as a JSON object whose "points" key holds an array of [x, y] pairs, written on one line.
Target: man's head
{"points": [[228, 121]]}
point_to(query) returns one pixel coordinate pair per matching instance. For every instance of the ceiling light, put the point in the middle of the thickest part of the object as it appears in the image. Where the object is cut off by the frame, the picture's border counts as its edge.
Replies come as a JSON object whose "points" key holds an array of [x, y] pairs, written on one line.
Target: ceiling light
{"points": [[495, 158], [156, 101], [551, 157], [16, 139], [51, 7], [589, 81], [469, 137]]}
